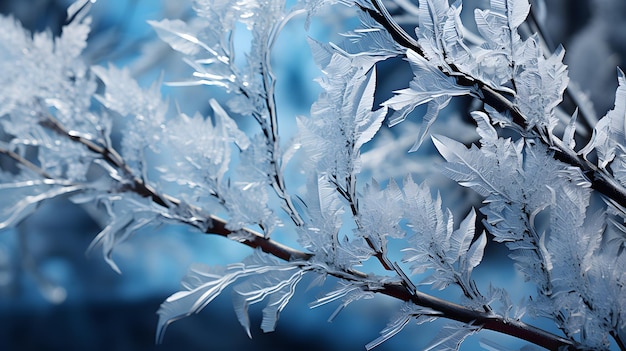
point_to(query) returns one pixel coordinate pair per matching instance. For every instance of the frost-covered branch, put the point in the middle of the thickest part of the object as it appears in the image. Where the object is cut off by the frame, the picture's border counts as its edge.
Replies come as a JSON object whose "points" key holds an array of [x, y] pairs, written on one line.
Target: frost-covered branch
{"points": [[446, 309], [536, 189], [600, 181], [485, 320], [135, 184]]}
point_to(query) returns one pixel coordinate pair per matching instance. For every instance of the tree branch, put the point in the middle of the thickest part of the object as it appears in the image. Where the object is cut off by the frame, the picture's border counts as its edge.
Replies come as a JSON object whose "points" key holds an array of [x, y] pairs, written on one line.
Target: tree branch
{"points": [[486, 320], [253, 239], [600, 181]]}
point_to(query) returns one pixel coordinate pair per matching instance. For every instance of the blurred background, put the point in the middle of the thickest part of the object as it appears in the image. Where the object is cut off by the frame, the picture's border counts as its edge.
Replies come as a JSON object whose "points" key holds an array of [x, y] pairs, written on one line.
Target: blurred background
{"points": [[55, 297]]}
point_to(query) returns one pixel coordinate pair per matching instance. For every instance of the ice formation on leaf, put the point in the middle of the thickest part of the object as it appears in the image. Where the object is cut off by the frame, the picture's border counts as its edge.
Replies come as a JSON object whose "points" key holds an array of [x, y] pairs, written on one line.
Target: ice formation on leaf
{"points": [[265, 277]]}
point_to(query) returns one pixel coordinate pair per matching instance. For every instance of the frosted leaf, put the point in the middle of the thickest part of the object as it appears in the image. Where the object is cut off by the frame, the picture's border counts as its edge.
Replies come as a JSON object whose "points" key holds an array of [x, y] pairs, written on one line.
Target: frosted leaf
{"points": [[367, 122], [205, 148], [450, 337], [321, 52], [570, 130], [184, 303], [429, 85], [277, 285], [475, 253], [245, 195], [43, 74], [144, 109], [352, 296], [246, 203], [516, 11], [78, 6], [127, 214], [540, 84], [73, 39], [203, 284], [320, 234], [407, 312], [366, 45], [393, 328], [63, 158], [27, 196], [228, 126], [124, 96], [179, 35], [435, 245], [433, 109], [429, 82], [348, 292], [432, 17], [456, 52], [342, 119], [466, 166], [497, 56], [543, 250], [484, 128], [496, 172], [500, 301], [380, 212], [459, 241], [609, 133]]}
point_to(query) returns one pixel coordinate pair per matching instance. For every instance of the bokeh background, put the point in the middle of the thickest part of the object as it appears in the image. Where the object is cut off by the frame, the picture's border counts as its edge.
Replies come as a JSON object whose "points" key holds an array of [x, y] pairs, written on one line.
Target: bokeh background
{"points": [[55, 297]]}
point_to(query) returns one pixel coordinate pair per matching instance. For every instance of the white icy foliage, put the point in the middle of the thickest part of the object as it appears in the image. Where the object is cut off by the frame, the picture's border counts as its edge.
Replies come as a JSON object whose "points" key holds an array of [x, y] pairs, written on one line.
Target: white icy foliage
{"points": [[434, 244], [381, 212], [41, 67], [429, 85], [247, 199], [127, 214], [144, 108], [365, 45], [539, 84], [342, 119], [207, 42], [407, 312], [502, 61], [22, 195], [609, 135], [265, 277], [206, 150], [505, 173], [45, 78], [321, 232]]}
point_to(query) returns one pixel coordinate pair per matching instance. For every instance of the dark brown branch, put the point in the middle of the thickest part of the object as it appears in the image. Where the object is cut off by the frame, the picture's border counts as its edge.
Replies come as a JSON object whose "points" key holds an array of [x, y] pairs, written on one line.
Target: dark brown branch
{"points": [[485, 320], [253, 239]]}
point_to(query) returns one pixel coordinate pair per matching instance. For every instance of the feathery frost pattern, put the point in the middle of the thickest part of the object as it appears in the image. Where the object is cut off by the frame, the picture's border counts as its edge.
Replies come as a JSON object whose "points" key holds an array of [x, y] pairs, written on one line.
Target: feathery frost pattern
{"points": [[520, 180]]}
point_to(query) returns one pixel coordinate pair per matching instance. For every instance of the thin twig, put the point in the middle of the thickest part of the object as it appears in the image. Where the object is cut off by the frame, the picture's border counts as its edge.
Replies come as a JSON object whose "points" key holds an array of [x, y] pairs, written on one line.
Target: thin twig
{"points": [[271, 133], [24, 162]]}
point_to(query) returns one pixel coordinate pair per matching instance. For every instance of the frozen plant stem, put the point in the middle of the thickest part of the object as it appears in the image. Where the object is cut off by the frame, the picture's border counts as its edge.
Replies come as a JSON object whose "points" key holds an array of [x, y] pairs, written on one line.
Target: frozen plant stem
{"points": [[446, 309], [271, 133]]}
